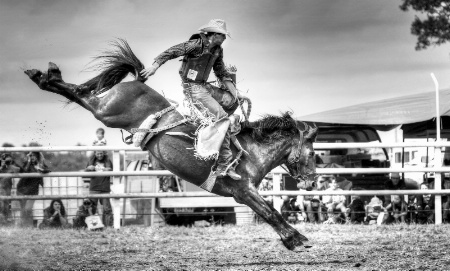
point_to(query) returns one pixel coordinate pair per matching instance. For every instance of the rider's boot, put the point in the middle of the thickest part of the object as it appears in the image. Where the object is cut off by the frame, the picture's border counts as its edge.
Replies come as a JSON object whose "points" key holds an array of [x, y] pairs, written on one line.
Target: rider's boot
{"points": [[225, 158]]}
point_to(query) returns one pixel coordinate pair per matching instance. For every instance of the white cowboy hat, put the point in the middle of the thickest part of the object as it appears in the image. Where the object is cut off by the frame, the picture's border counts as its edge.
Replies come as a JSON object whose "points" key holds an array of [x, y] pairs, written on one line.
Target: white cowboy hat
{"points": [[215, 25]]}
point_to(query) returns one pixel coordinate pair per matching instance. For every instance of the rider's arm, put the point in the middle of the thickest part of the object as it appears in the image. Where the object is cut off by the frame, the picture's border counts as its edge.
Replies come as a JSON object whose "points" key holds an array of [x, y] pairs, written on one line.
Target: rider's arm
{"points": [[182, 49], [219, 69], [223, 75], [188, 47]]}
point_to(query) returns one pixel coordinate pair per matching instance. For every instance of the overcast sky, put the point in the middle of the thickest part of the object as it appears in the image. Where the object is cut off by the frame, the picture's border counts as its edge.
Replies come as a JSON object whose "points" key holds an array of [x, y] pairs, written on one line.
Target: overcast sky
{"points": [[304, 56]]}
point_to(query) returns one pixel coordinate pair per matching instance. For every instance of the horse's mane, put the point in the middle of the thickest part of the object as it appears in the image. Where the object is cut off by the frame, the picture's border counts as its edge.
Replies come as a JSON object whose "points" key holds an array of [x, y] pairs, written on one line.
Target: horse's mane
{"points": [[272, 128]]}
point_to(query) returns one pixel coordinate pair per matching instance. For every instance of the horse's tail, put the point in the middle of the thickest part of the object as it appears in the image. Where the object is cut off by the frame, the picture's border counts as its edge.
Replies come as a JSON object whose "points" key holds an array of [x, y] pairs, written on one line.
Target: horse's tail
{"points": [[115, 65]]}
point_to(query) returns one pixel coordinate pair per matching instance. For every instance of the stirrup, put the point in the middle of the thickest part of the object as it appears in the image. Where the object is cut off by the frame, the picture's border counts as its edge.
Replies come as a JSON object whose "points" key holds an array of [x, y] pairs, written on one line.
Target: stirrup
{"points": [[228, 171]]}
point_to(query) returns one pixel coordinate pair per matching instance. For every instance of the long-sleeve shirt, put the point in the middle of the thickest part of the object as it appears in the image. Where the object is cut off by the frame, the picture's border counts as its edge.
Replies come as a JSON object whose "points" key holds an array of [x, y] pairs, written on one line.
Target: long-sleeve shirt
{"points": [[83, 212], [30, 186], [193, 48], [56, 222]]}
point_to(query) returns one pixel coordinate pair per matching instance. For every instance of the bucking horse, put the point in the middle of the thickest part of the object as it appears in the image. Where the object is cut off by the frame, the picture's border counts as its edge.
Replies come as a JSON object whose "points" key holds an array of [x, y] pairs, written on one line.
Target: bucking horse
{"points": [[269, 142]]}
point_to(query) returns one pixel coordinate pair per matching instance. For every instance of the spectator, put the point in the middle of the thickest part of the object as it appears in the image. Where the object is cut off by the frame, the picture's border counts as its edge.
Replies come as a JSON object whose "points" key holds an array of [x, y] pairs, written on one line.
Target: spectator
{"points": [[30, 186], [267, 185], [335, 202], [101, 184], [356, 210], [310, 207], [55, 216], [425, 207], [87, 209], [396, 211], [323, 182], [165, 184], [6, 166], [395, 183], [373, 209], [446, 205], [100, 140]]}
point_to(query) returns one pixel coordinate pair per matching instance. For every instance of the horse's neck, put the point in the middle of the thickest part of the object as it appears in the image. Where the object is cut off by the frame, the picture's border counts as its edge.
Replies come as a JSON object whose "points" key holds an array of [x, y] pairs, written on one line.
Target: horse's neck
{"points": [[273, 154]]}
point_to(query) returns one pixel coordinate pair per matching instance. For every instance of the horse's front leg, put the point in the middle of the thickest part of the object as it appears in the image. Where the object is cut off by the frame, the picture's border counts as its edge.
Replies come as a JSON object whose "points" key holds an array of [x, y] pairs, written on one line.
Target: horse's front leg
{"points": [[291, 237]]}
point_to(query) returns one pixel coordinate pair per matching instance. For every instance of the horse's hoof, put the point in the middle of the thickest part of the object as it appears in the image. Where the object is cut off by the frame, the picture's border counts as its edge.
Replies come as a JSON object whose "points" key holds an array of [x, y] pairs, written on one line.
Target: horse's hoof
{"points": [[54, 74], [295, 241]]}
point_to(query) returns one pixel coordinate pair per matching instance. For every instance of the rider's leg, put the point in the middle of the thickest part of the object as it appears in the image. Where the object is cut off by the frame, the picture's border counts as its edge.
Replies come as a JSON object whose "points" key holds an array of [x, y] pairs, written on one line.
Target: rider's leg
{"points": [[200, 93]]}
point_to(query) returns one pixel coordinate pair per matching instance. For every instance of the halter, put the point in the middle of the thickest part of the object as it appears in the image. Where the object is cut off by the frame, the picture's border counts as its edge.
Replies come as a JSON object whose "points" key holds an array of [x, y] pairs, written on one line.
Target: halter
{"points": [[296, 159]]}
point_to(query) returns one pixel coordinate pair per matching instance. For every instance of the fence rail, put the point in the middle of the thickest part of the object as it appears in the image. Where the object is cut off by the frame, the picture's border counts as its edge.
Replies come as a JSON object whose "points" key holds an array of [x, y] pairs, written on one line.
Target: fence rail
{"points": [[315, 145], [166, 172], [205, 194]]}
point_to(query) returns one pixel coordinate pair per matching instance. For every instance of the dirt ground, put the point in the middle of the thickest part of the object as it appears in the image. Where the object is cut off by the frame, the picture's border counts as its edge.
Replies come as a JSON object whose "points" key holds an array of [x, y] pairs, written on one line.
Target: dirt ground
{"points": [[252, 247]]}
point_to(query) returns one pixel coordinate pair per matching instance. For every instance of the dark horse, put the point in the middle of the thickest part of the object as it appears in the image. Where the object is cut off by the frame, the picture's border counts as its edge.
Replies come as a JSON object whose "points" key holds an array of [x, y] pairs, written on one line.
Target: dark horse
{"points": [[270, 142]]}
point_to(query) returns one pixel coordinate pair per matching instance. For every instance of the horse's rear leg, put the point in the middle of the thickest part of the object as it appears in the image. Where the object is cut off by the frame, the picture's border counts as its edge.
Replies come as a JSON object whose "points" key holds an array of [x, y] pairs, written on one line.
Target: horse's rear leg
{"points": [[52, 81], [291, 237]]}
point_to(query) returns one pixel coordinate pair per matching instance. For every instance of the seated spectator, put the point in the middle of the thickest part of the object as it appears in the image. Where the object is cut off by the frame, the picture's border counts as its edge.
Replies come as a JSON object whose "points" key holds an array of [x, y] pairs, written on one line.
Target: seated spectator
{"points": [[446, 205], [373, 209], [310, 207], [87, 209], [335, 203], [396, 211], [55, 216], [356, 210], [394, 183], [425, 207]]}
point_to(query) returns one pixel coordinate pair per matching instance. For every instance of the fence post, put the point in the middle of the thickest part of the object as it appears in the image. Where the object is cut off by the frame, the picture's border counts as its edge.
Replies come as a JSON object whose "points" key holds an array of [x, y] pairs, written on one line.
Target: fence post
{"points": [[125, 183], [437, 186], [116, 187], [276, 188]]}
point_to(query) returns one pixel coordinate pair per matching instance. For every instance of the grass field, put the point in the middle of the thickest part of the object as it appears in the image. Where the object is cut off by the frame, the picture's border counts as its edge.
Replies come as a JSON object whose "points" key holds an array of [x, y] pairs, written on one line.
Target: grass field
{"points": [[252, 247]]}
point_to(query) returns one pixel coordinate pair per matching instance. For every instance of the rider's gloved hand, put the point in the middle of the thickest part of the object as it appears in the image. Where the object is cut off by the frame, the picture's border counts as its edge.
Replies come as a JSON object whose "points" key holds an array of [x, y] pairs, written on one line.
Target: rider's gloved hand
{"points": [[150, 70]]}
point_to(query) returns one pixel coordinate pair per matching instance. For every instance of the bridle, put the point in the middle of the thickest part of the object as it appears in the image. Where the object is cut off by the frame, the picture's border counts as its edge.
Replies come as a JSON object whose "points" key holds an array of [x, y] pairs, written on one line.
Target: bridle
{"points": [[293, 161]]}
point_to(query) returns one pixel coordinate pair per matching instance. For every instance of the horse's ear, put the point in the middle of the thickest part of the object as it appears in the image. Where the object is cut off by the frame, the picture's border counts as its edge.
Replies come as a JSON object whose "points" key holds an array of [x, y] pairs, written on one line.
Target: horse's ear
{"points": [[311, 132]]}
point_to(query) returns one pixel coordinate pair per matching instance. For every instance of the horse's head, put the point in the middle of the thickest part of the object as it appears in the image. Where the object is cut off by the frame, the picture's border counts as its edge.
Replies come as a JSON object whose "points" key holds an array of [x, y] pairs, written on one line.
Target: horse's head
{"points": [[300, 162]]}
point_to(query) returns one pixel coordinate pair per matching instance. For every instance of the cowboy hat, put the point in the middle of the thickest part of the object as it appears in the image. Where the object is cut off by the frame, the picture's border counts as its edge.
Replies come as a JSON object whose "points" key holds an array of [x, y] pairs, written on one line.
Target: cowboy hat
{"points": [[215, 25]]}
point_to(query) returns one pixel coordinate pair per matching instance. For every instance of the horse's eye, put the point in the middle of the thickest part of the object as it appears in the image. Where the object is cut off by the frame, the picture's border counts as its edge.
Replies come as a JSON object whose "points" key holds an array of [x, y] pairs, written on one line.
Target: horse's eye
{"points": [[311, 153]]}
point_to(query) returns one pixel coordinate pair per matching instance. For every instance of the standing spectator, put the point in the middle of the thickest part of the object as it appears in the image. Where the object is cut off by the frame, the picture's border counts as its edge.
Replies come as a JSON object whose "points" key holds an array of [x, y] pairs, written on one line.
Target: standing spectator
{"points": [[396, 210], [395, 183], [166, 184], [101, 184], [87, 209], [267, 185], [55, 216], [335, 202], [30, 186], [100, 140], [425, 207], [6, 166]]}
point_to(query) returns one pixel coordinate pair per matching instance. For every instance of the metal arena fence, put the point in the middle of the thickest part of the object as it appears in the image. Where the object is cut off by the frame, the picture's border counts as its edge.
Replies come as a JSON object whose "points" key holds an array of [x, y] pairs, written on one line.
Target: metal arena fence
{"points": [[277, 176]]}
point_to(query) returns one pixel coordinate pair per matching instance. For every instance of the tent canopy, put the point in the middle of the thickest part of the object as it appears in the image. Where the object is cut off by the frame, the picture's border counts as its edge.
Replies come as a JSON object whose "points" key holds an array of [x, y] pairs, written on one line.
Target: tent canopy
{"points": [[388, 112]]}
